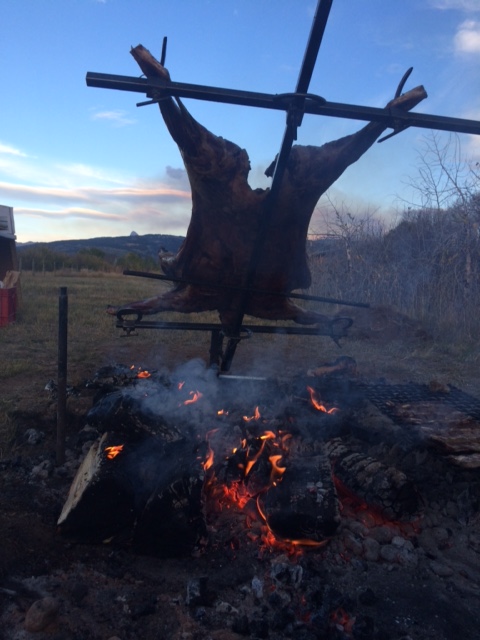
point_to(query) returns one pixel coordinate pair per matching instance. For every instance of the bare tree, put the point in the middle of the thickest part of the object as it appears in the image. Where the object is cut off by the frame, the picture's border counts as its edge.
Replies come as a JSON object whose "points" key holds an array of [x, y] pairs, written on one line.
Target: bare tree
{"points": [[448, 185]]}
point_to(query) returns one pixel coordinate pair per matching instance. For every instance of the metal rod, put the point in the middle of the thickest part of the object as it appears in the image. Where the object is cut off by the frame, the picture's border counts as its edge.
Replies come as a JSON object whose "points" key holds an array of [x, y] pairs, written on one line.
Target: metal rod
{"points": [[296, 296], [314, 41], [294, 119], [131, 325], [62, 374], [282, 102]]}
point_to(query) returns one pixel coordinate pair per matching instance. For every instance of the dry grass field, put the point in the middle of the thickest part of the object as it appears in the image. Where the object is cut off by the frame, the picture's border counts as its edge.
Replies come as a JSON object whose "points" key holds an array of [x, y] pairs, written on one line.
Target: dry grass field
{"points": [[384, 344]]}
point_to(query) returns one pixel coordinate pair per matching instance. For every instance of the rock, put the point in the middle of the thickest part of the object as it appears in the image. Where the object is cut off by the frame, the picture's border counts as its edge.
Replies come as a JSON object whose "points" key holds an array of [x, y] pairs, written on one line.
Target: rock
{"points": [[257, 587], [42, 470], [389, 553], [33, 436], [197, 592], [371, 549], [440, 569], [42, 613], [382, 534], [225, 607]]}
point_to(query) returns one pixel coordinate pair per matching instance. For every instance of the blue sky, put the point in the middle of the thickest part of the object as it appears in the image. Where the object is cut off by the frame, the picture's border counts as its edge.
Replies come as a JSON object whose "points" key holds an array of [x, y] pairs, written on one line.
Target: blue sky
{"points": [[80, 162]]}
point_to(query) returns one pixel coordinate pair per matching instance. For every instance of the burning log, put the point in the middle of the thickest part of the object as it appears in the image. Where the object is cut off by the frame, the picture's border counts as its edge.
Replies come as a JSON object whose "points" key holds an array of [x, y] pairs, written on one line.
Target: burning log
{"points": [[304, 508], [386, 489], [227, 214], [143, 490], [101, 501], [172, 522]]}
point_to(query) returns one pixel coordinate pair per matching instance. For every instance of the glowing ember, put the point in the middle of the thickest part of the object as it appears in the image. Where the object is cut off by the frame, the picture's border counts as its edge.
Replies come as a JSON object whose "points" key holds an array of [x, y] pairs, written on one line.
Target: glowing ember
{"points": [[194, 397], [340, 619], [316, 402], [112, 452], [140, 372]]}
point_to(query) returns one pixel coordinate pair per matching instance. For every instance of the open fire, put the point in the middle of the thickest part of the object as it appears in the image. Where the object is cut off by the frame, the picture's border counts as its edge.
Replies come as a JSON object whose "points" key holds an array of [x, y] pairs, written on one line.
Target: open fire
{"points": [[325, 519], [279, 469]]}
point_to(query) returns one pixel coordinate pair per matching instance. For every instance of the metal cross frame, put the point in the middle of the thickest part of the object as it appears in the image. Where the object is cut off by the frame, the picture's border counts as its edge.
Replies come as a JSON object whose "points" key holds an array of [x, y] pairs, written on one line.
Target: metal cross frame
{"points": [[295, 105]]}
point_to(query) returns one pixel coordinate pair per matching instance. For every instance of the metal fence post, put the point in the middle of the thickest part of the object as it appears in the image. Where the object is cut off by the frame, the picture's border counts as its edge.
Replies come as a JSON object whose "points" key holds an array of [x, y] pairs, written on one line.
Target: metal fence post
{"points": [[62, 374]]}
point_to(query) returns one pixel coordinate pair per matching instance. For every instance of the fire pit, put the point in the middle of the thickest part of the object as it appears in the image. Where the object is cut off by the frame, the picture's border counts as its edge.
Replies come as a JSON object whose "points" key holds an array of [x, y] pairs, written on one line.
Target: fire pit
{"points": [[177, 455], [311, 507]]}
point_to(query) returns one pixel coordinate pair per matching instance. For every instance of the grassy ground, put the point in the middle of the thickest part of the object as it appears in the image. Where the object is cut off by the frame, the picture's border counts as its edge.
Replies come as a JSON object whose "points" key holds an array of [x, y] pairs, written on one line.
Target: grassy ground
{"points": [[382, 343]]}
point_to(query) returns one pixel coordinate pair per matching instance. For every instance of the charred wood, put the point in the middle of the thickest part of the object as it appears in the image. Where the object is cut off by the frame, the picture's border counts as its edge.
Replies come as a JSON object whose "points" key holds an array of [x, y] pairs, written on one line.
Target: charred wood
{"points": [[381, 487], [304, 504], [141, 491]]}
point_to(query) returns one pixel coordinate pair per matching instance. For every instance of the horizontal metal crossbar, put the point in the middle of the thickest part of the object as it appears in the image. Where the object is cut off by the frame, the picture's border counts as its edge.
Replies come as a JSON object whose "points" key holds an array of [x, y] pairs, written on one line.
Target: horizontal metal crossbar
{"points": [[252, 291], [158, 89], [131, 325]]}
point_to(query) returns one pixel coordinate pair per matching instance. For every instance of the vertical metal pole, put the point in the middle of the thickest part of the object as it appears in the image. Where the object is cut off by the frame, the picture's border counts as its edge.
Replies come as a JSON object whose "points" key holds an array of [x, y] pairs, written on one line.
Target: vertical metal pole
{"points": [[294, 119], [62, 374], [216, 343]]}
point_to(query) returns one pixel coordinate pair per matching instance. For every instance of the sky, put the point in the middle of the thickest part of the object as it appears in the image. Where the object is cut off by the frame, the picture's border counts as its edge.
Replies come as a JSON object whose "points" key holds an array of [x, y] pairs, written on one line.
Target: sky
{"points": [[82, 162]]}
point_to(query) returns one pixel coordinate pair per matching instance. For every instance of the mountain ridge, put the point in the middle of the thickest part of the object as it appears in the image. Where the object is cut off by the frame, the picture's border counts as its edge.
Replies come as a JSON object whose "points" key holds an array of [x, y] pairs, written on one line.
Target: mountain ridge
{"points": [[147, 245]]}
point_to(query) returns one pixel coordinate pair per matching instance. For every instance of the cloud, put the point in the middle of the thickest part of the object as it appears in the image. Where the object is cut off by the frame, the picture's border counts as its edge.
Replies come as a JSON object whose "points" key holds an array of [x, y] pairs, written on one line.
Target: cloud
{"points": [[467, 38], [58, 199], [469, 6], [93, 194], [78, 170], [69, 212], [177, 173], [117, 117], [7, 149]]}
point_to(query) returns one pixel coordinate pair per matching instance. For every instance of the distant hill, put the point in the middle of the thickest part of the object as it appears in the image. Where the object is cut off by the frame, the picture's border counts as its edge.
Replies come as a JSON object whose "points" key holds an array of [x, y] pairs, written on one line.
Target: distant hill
{"points": [[145, 246]]}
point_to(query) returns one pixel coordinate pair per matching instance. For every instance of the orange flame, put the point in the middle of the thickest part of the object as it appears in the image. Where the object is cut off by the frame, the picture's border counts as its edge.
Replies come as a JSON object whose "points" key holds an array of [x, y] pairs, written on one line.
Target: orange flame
{"points": [[256, 416], [141, 373], [112, 452], [277, 471], [290, 546], [268, 435], [195, 395], [209, 459], [317, 404]]}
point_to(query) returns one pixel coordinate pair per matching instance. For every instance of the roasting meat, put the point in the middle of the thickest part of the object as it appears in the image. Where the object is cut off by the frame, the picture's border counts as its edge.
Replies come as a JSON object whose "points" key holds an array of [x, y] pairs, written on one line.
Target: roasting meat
{"points": [[226, 216]]}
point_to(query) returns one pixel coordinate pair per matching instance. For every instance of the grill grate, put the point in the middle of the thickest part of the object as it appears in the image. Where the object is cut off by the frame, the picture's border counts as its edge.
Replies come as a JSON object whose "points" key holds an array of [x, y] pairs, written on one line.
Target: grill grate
{"points": [[382, 394]]}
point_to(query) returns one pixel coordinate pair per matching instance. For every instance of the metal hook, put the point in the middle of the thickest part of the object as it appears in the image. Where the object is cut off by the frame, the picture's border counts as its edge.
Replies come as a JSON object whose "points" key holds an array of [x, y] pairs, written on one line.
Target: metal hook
{"points": [[398, 128], [406, 75]]}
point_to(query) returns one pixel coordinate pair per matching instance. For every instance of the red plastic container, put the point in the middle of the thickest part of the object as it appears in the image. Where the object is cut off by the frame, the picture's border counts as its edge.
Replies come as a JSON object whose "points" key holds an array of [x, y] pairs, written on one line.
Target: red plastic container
{"points": [[8, 306]]}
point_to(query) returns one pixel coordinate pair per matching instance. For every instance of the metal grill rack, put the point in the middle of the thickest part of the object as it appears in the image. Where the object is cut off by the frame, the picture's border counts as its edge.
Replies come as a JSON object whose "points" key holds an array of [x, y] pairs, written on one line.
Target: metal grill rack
{"points": [[386, 396]]}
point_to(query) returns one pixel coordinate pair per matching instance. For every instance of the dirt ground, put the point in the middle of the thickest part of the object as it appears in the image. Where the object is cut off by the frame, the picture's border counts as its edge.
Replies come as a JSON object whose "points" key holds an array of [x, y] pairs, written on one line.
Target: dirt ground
{"points": [[104, 592]]}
